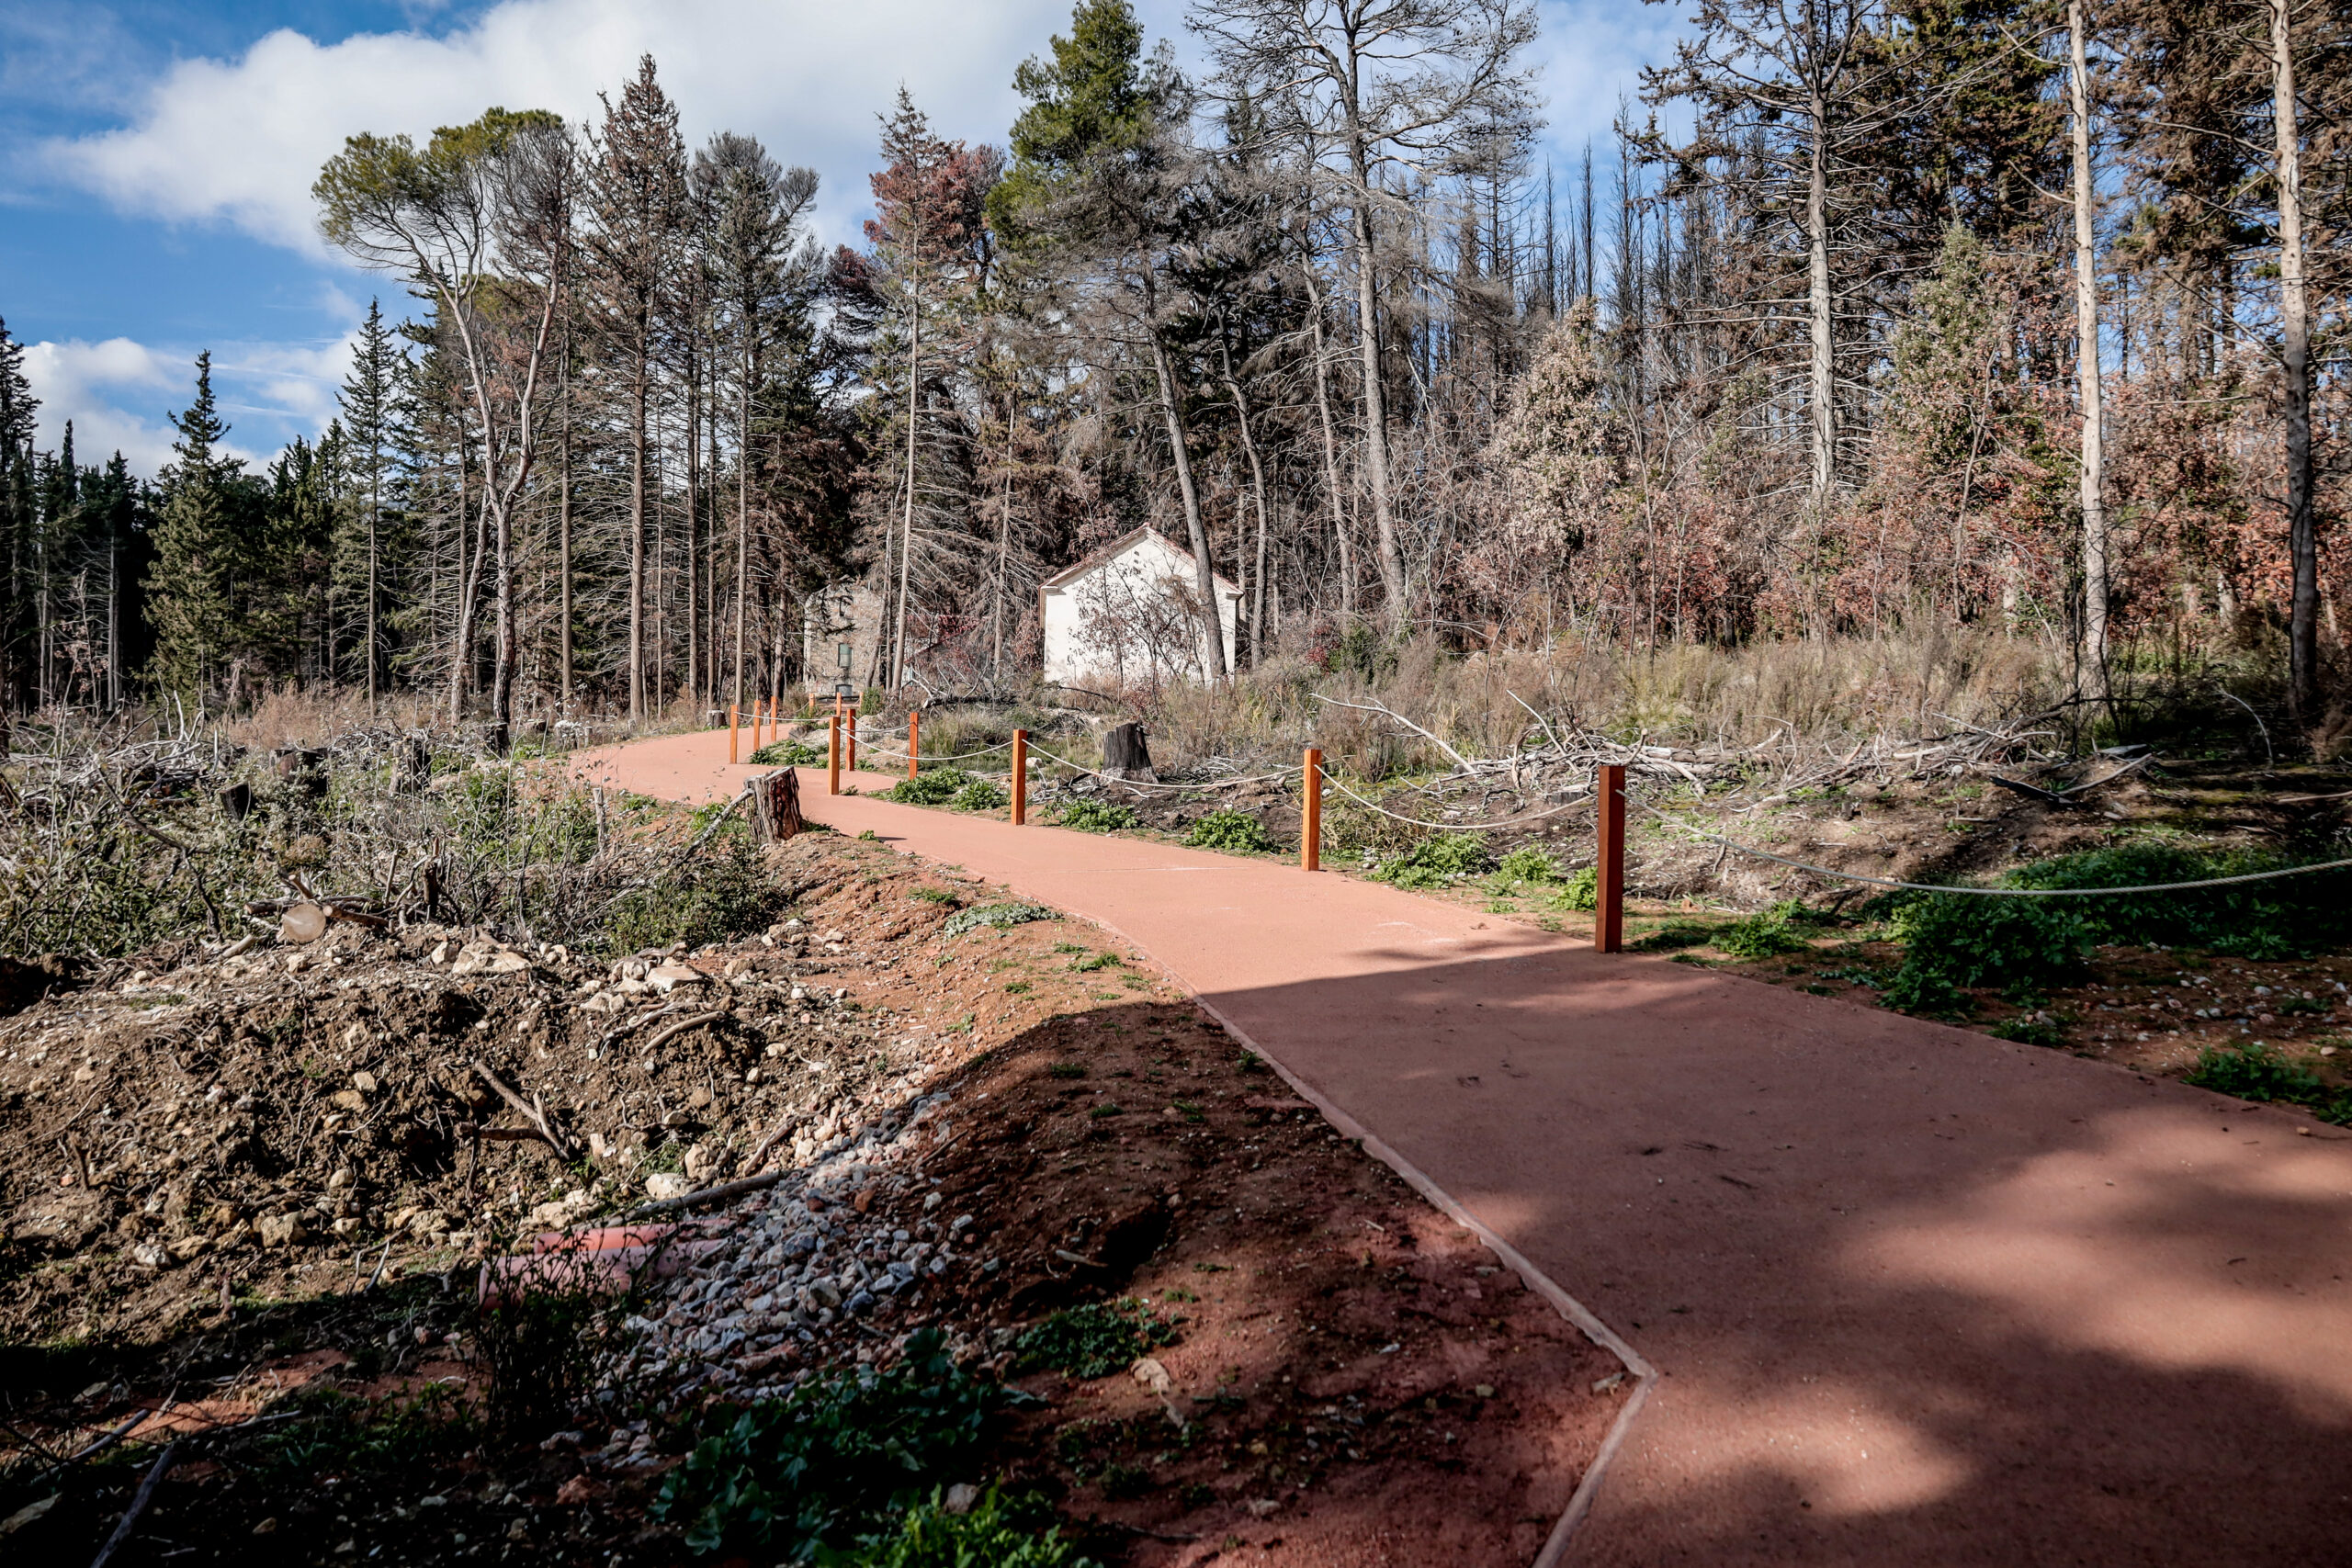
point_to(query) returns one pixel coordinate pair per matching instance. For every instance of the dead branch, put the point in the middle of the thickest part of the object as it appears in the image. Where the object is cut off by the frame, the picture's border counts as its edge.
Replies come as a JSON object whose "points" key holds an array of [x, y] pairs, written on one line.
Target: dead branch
{"points": [[534, 1112]]}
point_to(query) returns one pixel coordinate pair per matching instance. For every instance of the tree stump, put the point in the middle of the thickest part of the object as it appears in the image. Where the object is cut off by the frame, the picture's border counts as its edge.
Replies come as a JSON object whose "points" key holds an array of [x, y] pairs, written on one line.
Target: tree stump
{"points": [[776, 806], [1124, 754], [415, 765], [237, 800]]}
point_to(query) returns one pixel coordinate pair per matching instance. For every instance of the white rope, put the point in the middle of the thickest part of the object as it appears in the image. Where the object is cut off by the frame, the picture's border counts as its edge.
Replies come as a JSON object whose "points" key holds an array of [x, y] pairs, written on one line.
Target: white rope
{"points": [[1989, 892], [1450, 826], [881, 751], [1140, 784]]}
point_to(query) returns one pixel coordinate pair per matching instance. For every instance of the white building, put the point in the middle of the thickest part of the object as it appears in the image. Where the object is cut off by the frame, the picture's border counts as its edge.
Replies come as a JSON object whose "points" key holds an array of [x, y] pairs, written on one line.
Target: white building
{"points": [[1129, 614]]}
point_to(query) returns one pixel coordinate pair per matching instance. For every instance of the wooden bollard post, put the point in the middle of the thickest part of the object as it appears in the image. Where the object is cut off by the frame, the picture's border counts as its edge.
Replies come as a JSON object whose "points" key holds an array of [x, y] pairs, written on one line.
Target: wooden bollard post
{"points": [[1310, 813], [1020, 777], [759, 708], [849, 746], [734, 732], [1609, 891], [912, 749], [834, 759]]}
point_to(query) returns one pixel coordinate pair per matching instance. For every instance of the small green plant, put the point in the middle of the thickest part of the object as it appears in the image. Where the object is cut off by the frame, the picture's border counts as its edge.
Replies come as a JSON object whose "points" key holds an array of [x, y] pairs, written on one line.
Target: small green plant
{"points": [[995, 1532], [1673, 936], [2257, 1072], [1094, 1340], [1100, 961], [995, 915], [2027, 1030], [1581, 891], [788, 754], [1433, 863], [935, 895], [981, 794], [1017, 987], [835, 1457], [1097, 816], [1065, 1070], [932, 786], [1765, 935], [1233, 832], [1528, 863]]}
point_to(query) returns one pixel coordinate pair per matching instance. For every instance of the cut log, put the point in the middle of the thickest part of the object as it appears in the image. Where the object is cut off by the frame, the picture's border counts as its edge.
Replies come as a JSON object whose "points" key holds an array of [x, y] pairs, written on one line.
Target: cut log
{"points": [[237, 800], [1125, 755], [776, 806], [415, 765]]}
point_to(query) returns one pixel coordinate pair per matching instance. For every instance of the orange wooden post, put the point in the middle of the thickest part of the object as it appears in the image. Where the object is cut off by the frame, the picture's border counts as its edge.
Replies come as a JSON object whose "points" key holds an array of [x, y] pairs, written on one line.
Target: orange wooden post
{"points": [[834, 759], [912, 747], [1310, 813], [1020, 777], [734, 731], [1609, 894], [758, 709], [849, 750]]}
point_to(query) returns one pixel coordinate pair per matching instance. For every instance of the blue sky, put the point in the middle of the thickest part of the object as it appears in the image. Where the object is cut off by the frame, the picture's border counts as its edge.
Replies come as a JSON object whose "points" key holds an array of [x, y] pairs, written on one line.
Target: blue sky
{"points": [[155, 158]]}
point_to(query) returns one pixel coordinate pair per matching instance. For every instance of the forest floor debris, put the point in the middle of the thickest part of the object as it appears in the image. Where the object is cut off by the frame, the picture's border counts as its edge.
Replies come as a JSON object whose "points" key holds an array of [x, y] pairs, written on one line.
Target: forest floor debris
{"points": [[249, 1190]]}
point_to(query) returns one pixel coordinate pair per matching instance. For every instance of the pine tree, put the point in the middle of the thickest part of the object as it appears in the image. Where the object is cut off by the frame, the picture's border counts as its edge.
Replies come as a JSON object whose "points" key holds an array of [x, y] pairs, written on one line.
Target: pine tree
{"points": [[373, 439], [18, 523], [194, 573]]}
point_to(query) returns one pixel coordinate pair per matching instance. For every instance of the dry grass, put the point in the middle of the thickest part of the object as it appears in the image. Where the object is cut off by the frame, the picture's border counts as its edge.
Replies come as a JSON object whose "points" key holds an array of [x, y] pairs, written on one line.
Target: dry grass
{"points": [[1818, 693]]}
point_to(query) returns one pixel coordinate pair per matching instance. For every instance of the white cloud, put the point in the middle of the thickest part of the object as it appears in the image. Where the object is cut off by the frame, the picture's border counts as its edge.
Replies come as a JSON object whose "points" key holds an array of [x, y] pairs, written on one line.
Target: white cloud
{"points": [[119, 395], [88, 384], [241, 140]]}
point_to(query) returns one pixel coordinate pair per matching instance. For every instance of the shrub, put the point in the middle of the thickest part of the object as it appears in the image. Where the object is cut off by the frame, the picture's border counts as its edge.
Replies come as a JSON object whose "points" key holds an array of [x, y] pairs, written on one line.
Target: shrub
{"points": [[1962, 938], [932, 786], [839, 1454], [1097, 816], [1234, 832], [996, 1532], [1528, 863], [979, 794], [1094, 1340], [1435, 862]]}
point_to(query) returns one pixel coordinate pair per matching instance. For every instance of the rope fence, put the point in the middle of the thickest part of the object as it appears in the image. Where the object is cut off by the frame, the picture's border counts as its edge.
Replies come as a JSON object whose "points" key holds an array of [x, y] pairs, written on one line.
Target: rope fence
{"points": [[1991, 892]]}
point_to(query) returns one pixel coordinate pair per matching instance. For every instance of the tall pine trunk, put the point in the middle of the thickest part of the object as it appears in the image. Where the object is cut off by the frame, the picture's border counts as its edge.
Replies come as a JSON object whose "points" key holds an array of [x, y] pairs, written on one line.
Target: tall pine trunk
{"points": [[2086, 361], [2295, 354]]}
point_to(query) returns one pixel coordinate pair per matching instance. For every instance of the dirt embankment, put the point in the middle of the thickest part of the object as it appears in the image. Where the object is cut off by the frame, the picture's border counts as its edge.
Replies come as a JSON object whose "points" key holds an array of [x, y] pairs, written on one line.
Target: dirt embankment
{"points": [[247, 1197]]}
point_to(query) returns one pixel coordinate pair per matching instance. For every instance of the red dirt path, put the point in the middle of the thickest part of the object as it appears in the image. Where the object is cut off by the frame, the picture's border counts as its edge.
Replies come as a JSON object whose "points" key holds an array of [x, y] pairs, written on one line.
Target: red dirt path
{"points": [[1913, 1296]]}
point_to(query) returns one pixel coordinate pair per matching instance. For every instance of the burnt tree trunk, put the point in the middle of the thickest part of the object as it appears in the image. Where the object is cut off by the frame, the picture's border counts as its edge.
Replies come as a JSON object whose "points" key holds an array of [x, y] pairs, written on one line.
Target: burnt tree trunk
{"points": [[1124, 754]]}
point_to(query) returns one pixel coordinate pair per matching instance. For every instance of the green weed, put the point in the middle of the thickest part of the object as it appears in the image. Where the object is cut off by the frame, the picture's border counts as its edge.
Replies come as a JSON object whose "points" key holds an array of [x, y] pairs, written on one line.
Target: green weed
{"points": [[1433, 863], [1097, 816], [996, 915], [788, 754], [932, 786], [2264, 1072], [1094, 1340], [834, 1459], [1233, 832], [995, 1532], [1581, 891], [979, 794], [1528, 863]]}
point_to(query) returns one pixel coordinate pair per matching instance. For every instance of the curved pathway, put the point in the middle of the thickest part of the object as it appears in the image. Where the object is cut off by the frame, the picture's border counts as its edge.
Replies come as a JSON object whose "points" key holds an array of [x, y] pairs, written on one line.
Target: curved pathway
{"points": [[1913, 1296]]}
